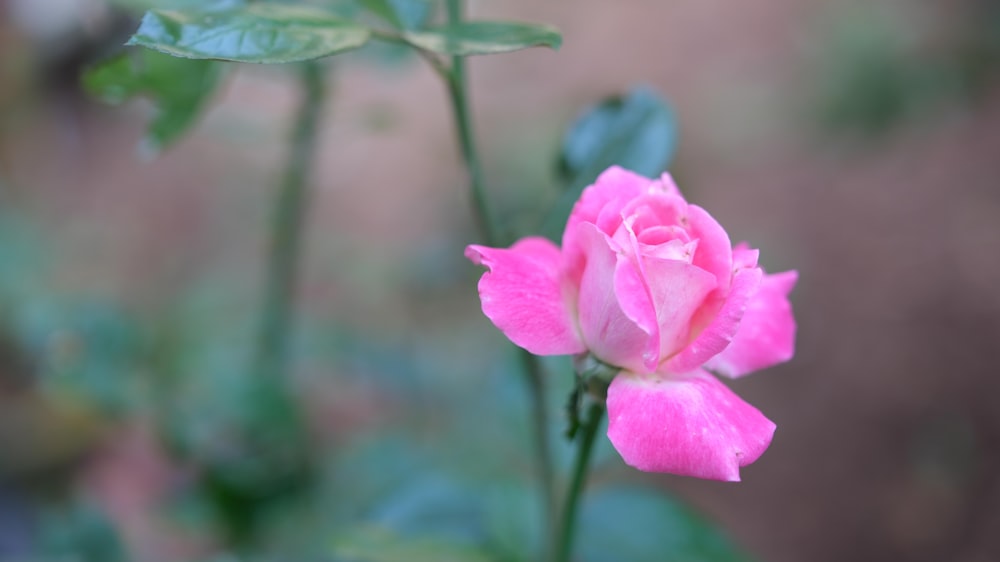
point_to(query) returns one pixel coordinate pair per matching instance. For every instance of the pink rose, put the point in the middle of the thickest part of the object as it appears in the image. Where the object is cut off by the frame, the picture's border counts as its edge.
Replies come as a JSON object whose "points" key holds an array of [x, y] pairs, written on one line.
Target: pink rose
{"points": [[651, 285]]}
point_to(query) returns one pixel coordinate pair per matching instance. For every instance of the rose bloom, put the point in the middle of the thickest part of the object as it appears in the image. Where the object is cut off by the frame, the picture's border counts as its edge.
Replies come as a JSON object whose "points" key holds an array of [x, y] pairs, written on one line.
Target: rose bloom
{"points": [[651, 285]]}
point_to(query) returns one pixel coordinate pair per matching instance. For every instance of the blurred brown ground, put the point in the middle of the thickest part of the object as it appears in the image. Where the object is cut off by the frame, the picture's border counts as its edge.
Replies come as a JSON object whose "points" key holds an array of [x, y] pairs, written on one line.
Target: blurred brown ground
{"points": [[888, 445]]}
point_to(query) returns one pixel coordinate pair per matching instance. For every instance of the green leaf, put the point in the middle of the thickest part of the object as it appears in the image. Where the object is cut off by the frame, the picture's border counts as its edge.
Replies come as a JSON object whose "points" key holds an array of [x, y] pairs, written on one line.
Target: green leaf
{"points": [[374, 544], [401, 14], [433, 505], [141, 6], [179, 88], [485, 38], [515, 520], [257, 33], [643, 525], [637, 132]]}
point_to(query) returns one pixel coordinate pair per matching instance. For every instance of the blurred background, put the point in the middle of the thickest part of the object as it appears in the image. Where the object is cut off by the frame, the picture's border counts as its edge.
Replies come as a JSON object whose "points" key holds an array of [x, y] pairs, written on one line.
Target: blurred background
{"points": [[856, 141]]}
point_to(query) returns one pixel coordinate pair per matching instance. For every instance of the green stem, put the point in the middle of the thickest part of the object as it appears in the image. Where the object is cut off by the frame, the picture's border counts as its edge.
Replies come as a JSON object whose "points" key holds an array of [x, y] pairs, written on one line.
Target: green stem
{"points": [[286, 229], [456, 83], [540, 419], [567, 523], [466, 138]]}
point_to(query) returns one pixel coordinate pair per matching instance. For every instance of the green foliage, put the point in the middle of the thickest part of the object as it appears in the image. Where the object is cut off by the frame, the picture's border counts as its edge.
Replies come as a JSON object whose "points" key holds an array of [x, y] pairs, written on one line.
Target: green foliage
{"points": [[642, 525], [395, 490], [245, 434], [87, 347], [880, 67], [257, 33], [514, 521], [265, 32], [374, 544], [485, 38], [179, 88], [78, 532], [91, 349], [143, 5], [247, 440], [401, 14], [637, 131]]}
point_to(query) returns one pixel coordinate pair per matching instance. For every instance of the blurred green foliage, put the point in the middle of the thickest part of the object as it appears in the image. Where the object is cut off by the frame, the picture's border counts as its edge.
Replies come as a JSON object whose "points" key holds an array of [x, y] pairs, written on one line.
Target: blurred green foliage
{"points": [[623, 522], [884, 65], [441, 470], [178, 102], [450, 479], [78, 531]]}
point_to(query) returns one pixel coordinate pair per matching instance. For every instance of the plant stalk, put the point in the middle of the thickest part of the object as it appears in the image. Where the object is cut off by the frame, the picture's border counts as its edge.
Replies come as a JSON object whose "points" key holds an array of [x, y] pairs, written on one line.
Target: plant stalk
{"points": [[540, 420], [286, 230], [567, 522], [457, 89]]}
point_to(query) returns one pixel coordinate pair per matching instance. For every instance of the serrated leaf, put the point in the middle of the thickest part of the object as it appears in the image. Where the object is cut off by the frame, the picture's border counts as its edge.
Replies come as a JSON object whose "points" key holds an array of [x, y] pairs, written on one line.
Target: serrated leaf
{"points": [[256, 33], [637, 524], [179, 88], [374, 544], [637, 132], [485, 38]]}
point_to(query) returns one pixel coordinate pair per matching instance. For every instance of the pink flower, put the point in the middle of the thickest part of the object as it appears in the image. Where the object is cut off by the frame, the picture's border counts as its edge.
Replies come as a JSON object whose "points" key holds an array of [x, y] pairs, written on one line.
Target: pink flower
{"points": [[651, 285]]}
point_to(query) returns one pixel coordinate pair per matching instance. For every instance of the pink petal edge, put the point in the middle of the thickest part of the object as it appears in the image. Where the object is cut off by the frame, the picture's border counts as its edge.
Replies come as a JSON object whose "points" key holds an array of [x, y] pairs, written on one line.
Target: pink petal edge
{"points": [[601, 203], [720, 332], [522, 295], [715, 251], [606, 329], [766, 335], [690, 425]]}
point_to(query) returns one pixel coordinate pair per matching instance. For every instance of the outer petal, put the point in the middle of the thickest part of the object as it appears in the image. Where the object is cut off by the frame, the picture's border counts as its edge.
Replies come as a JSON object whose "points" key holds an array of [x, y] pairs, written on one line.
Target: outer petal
{"points": [[724, 325], [608, 332], [691, 425], [522, 294], [766, 335]]}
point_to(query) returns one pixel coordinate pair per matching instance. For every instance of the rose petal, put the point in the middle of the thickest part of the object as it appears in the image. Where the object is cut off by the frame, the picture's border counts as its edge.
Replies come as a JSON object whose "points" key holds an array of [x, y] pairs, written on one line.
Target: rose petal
{"points": [[725, 316], [766, 335], [601, 204], [744, 257], [715, 251], [656, 209], [635, 302], [522, 294], [608, 332], [669, 186], [691, 425], [677, 290]]}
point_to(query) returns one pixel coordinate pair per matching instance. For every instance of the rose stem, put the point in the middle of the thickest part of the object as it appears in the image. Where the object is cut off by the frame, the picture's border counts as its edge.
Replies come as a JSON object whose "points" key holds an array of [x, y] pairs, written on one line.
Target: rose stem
{"points": [[286, 230], [567, 521], [457, 89]]}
